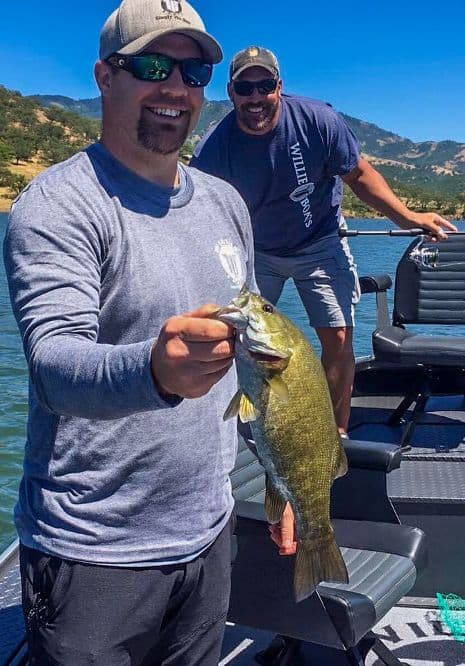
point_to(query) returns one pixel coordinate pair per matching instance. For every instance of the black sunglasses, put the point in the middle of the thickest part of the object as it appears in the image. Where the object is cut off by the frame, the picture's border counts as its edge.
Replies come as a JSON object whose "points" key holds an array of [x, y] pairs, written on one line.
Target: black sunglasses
{"points": [[246, 88], [195, 72]]}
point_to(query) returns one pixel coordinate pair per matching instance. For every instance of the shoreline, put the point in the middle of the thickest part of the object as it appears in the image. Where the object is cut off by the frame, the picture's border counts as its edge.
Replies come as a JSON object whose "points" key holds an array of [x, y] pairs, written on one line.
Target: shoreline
{"points": [[5, 205]]}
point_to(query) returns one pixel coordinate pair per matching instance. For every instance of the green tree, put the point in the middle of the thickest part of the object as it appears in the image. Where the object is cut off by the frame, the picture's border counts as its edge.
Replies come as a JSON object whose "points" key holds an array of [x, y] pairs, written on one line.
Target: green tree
{"points": [[5, 153], [17, 184], [187, 150], [5, 177], [57, 151], [21, 146]]}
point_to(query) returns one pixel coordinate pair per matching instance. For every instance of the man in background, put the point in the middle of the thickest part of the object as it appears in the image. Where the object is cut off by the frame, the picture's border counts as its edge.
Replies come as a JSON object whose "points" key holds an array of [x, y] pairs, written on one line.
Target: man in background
{"points": [[288, 157], [112, 258]]}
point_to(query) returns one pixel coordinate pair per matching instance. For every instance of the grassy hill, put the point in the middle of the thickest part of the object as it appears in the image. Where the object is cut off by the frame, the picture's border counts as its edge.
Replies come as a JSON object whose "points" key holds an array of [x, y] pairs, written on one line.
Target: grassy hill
{"points": [[40, 130], [33, 137]]}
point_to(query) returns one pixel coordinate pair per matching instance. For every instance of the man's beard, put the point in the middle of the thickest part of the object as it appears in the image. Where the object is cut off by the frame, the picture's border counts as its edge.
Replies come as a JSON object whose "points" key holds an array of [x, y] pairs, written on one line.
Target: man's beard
{"points": [[261, 121], [161, 137]]}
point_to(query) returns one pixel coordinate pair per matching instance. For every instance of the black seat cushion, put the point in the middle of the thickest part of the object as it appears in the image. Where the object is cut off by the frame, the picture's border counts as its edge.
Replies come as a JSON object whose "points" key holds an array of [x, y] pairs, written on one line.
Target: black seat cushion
{"points": [[380, 559], [393, 344]]}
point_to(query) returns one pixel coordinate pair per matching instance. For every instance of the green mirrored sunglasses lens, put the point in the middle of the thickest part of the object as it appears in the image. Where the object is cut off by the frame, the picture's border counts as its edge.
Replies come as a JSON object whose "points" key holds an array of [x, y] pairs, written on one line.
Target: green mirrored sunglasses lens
{"points": [[152, 68]]}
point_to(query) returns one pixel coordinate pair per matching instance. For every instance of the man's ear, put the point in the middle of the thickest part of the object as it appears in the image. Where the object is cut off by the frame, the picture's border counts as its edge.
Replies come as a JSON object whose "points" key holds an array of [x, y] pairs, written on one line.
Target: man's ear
{"points": [[230, 90], [103, 76]]}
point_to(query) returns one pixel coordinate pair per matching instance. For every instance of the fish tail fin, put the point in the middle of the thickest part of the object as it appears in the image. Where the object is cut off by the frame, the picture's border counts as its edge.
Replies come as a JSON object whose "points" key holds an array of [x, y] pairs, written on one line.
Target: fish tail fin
{"points": [[317, 562]]}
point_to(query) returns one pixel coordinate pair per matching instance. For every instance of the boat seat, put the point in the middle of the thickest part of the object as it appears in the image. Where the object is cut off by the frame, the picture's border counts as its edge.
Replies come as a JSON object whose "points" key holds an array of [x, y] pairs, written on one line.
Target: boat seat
{"points": [[424, 295], [334, 625]]}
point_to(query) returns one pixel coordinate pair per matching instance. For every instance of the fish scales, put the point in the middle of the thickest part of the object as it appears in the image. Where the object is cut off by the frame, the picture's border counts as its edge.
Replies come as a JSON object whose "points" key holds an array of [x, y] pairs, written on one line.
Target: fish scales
{"points": [[285, 397], [296, 439]]}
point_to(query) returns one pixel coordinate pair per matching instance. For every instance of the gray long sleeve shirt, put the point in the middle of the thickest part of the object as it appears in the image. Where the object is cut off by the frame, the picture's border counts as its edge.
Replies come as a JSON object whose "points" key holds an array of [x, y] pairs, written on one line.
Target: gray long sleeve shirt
{"points": [[97, 260]]}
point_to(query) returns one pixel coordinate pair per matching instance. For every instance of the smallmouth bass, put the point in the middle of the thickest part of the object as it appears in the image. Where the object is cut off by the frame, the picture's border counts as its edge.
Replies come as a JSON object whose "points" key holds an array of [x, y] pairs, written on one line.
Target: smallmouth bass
{"points": [[284, 396]]}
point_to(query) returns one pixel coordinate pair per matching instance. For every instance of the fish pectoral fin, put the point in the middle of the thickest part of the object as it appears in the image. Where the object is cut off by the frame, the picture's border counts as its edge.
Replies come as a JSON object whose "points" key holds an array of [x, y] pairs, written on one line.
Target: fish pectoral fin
{"points": [[279, 386], [317, 562], [274, 502], [247, 410], [241, 405], [341, 465], [233, 408]]}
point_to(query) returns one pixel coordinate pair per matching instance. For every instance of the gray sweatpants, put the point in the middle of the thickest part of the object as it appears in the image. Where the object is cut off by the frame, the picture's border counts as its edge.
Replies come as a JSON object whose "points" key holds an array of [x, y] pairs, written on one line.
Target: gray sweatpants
{"points": [[80, 614]]}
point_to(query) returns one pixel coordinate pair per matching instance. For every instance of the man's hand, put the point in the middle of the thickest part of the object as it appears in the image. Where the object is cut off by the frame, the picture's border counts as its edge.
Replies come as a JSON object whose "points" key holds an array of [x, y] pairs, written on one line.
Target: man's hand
{"points": [[284, 533], [192, 353], [432, 223]]}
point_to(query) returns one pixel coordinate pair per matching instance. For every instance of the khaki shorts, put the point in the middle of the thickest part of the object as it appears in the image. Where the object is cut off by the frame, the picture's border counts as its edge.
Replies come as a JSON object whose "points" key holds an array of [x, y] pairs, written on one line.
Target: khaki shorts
{"points": [[325, 275]]}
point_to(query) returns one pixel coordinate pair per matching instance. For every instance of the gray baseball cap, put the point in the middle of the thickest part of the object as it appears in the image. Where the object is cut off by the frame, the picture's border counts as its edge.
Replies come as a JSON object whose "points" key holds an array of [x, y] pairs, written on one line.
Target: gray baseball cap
{"points": [[253, 56], [136, 23]]}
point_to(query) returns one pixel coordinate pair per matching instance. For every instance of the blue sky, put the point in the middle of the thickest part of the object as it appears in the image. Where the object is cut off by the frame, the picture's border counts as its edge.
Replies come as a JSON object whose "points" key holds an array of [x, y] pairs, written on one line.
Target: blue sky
{"points": [[398, 64]]}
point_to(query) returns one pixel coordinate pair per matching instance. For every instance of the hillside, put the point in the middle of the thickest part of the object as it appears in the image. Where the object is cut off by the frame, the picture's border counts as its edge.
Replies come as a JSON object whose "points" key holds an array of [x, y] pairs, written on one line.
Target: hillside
{"points": [[427, 175], [212, 110], [39, 130], [33, 137]]}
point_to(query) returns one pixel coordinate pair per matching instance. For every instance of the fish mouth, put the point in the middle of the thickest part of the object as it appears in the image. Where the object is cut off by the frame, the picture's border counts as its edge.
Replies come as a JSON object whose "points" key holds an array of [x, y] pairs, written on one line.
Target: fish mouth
{"points": [[234, 316], [260, 357], [260, 351], [248, 336]]}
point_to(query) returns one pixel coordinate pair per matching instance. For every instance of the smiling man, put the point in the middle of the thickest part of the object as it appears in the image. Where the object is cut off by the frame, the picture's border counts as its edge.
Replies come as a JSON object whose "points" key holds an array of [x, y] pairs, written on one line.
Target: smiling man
{"points": [[125, 503], [288, 157]]}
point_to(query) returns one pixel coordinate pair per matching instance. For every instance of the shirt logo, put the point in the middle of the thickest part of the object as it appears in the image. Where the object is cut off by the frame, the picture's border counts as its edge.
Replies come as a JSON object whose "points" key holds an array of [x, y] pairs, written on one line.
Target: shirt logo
{"points": [[230, 258], [171, 6], [304, 187], [301, 192]]}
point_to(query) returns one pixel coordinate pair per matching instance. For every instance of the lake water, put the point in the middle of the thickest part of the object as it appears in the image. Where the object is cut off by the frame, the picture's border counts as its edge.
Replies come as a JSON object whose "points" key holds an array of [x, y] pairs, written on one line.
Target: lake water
{"points": [[373, 255]]}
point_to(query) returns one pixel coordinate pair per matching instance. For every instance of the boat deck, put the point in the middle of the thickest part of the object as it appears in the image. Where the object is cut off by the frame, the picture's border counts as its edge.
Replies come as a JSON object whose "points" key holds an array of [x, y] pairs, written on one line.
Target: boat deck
{"points": [[433, 468], [415, 635], [428, 491]]}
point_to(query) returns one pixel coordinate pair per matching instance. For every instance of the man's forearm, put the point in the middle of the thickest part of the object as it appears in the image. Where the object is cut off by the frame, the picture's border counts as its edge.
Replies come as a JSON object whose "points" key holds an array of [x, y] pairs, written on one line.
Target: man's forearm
{"points": [[81, 378], [371, 188]]}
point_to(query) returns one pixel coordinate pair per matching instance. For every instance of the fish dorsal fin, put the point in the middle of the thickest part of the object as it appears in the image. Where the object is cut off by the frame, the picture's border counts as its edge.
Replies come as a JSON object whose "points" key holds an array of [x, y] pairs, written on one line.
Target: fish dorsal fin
{"points": [[274, 502], [340, 467], [279, 387]]}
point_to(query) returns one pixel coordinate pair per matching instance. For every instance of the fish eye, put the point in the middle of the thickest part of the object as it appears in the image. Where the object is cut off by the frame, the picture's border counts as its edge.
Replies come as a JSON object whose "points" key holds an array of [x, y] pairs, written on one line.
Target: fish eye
{"points": [[268, 308]]}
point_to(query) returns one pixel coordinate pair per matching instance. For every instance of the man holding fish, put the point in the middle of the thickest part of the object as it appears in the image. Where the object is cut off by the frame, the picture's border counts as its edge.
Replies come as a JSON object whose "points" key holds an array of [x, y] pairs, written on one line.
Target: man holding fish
{"points": [[124, 510]]}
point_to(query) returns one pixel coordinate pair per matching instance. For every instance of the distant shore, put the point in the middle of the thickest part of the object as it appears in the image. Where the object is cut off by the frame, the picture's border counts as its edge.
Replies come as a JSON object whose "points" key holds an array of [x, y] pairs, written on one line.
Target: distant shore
{"points": [[5, 204], [32, 169], [6, 201]]}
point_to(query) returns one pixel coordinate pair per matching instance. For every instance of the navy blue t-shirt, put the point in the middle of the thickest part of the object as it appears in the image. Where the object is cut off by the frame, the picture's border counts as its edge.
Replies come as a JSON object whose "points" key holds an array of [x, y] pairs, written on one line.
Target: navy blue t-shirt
{"points": [[289, 177]]}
